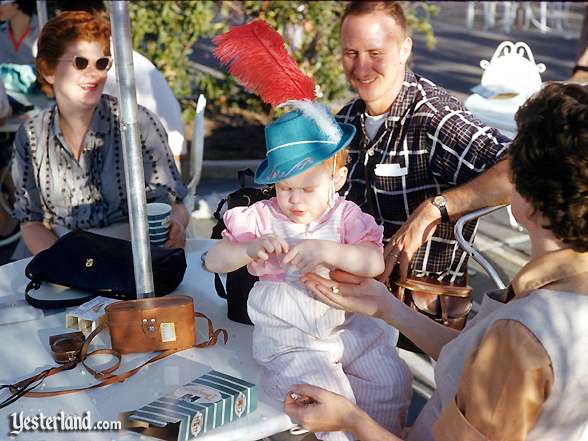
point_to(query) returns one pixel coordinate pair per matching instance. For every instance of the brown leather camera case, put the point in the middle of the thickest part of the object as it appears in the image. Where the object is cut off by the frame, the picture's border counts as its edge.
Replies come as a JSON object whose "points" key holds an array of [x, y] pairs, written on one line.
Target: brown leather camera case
{"points": [[154, 324]]}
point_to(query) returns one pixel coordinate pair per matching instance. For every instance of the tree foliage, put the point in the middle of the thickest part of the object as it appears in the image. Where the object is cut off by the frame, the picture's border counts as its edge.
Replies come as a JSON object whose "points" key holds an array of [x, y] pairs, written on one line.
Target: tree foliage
{"points": [[166, 32]]}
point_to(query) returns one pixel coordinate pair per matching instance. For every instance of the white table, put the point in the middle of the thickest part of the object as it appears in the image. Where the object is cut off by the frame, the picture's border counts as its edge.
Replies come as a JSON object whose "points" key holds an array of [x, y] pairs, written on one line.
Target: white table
{"points": [[25, 349], [498, 113]]}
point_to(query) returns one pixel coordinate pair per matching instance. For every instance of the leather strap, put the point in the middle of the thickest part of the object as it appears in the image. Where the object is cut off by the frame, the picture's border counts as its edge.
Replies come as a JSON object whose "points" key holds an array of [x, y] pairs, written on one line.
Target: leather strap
{"points": [[25, 387]]}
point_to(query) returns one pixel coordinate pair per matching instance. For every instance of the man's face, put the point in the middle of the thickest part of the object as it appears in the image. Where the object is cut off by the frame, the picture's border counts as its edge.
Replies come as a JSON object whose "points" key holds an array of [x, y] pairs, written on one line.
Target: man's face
{"points": [[375, 51]]}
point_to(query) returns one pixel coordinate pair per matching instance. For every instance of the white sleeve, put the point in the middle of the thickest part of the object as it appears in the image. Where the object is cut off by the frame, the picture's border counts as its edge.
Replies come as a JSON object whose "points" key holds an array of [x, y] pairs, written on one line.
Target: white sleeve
{"points": [[4, 106]]}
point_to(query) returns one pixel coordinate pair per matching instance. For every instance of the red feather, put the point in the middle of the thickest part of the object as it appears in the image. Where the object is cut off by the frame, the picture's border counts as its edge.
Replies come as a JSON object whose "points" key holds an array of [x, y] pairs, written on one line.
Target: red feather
{"points": [[255, 54]]}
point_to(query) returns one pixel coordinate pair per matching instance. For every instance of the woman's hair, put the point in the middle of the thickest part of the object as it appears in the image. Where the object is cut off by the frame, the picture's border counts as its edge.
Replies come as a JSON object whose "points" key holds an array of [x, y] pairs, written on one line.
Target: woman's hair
{"points": [[27, 7], [390, 8], [549, 159], [61, 31]]}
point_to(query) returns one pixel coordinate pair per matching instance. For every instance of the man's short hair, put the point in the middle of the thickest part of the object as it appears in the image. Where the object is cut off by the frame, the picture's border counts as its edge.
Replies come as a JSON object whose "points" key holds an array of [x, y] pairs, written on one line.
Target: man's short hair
{"points": [[390, 8]]}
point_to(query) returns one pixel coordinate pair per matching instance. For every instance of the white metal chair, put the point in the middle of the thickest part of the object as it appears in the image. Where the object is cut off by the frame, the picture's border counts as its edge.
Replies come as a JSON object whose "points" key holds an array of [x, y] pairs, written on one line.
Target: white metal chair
{"points": [[196, 158], [472, 252]]}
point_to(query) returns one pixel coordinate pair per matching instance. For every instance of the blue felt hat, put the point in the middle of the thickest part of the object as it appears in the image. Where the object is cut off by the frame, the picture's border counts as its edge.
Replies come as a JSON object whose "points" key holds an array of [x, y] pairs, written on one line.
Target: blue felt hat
{"points": [[295, 143]]}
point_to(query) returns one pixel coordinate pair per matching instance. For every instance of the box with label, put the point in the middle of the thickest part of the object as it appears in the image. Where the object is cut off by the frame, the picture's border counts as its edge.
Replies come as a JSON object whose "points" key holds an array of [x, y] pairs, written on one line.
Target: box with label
{"points": [[207, 402]]}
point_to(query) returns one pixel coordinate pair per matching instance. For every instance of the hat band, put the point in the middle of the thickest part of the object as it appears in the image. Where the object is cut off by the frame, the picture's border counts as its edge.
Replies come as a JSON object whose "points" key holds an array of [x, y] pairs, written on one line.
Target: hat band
{"points": [[299, 142]]}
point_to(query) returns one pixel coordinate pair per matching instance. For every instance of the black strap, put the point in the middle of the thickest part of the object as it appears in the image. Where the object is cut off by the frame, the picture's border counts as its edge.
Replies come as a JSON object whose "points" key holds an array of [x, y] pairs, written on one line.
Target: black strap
{"points": [[219, 207], [242, 176], [218, 285]]}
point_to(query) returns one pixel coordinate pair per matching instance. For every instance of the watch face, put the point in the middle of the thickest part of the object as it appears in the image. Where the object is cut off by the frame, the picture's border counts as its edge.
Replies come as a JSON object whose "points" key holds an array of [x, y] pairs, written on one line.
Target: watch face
{"points": [[439, 201]]}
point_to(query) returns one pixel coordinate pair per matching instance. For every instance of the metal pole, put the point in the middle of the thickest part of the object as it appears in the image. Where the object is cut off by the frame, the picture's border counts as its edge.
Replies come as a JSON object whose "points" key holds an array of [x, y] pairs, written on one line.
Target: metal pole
{"points": [[477, 256], [41, 13], [133, 158]]}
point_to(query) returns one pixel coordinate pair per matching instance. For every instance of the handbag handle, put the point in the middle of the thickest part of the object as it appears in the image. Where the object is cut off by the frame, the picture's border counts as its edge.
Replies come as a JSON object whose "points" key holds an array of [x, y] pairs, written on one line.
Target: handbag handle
{"points": [[25, 387]]}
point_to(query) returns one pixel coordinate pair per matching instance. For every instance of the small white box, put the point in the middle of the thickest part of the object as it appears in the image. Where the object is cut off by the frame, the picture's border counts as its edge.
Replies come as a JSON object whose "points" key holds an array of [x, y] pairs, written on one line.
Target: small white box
{"points": [[89, 315]]}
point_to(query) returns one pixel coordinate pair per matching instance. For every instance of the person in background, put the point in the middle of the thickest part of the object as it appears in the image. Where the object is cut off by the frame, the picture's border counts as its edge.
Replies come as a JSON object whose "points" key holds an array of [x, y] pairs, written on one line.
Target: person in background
{"points": [[517, 371], [153, 91], [8, 225], [68, 167], [420, 159], [19, 31]]}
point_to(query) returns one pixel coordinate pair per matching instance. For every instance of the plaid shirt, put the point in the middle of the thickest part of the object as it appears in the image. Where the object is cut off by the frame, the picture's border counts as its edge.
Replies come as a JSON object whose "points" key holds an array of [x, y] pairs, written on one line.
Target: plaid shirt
{"points": [[435, 144]]}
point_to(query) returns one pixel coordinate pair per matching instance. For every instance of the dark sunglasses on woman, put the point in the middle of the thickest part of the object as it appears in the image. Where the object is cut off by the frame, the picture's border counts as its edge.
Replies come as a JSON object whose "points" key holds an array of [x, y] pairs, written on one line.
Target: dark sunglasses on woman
{"points": [[81, 63]]}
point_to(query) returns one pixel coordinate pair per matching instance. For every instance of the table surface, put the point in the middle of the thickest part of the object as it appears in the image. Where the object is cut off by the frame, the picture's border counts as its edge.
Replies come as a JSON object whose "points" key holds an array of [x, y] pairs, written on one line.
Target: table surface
{"points": [[25, 350]]}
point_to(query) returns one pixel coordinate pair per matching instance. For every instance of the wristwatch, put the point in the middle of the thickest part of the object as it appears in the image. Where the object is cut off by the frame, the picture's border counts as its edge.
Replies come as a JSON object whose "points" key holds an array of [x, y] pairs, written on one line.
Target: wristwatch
{"points": [[440, 202]]}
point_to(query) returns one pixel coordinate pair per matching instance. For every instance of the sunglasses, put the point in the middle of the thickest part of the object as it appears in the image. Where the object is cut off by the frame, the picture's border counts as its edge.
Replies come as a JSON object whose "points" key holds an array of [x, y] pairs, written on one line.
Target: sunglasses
{"points": [[81, 63]]}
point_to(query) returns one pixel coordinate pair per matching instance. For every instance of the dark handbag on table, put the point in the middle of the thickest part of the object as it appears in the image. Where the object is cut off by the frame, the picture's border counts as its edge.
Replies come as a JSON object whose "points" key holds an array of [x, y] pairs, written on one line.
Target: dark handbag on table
{"points": [[100, 266], [165, 324], [446, 303], [239, 282]]}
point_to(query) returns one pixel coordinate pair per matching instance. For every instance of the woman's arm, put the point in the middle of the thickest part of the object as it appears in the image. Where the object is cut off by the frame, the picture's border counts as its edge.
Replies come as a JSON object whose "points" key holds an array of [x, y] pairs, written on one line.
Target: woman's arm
{"points": [[37, 237], [370, 297]]}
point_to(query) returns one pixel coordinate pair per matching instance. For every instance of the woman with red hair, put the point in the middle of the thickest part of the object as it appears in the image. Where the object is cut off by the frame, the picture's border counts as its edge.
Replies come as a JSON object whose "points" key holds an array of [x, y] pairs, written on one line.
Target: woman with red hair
{"points": [[68, 169]]}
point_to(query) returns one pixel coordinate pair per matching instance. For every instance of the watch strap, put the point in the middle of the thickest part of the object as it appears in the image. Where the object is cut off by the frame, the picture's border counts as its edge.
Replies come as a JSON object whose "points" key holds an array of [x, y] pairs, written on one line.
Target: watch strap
{"points": [[444, 213]]}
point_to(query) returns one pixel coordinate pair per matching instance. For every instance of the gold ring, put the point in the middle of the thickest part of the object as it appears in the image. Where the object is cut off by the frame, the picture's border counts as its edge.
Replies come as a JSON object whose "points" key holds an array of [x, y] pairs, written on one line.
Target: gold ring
{"points": [[334, 289]]}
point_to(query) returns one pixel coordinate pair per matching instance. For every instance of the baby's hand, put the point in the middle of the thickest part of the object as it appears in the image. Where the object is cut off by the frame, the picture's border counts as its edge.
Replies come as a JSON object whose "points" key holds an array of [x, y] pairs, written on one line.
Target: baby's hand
{"points": [[306, 256], [261, 248]]}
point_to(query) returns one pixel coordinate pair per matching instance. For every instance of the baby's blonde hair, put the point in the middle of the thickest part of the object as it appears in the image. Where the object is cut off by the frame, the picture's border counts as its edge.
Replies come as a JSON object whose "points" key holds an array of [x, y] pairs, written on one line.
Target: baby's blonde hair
{"points": [[338, 160]]}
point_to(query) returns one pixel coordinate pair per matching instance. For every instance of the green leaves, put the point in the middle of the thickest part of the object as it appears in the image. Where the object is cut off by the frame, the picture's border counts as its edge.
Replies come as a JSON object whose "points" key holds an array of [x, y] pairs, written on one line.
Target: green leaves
{"points": [[166, 31]]}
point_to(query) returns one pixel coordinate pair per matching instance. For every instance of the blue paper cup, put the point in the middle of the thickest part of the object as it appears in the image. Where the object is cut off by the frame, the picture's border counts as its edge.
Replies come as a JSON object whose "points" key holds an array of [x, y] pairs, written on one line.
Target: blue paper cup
{"points": [[158, 216]]}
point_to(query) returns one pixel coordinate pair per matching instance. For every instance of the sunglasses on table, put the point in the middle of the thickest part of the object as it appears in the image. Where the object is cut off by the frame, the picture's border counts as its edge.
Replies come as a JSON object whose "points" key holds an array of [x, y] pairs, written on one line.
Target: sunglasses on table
{"points": [[81, 63]]}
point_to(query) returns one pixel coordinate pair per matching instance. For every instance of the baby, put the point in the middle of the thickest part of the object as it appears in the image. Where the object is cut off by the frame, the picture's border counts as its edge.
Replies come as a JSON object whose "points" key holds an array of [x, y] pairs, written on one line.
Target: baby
{"points": [[307, 227]]}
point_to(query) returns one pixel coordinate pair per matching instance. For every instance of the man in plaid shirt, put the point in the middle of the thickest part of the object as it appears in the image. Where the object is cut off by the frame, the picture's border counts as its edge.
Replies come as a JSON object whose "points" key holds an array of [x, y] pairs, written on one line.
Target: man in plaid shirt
{"points": [[419, 157]]}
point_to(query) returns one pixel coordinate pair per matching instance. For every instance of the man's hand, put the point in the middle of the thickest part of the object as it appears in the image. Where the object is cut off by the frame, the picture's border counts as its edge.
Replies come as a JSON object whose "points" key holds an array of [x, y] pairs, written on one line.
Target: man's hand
{"points": [[177, 235], [267, 244], [307, 255], [417, 230]]}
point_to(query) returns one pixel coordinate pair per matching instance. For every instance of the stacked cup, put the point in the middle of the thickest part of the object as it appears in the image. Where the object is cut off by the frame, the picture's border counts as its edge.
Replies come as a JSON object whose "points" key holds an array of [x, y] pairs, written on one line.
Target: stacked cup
{"points": [[158, 216]]}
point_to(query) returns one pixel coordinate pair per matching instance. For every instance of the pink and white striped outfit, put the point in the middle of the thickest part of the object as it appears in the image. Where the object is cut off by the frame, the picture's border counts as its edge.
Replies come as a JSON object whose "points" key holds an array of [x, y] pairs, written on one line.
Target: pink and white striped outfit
{"points": [[298, 339]]}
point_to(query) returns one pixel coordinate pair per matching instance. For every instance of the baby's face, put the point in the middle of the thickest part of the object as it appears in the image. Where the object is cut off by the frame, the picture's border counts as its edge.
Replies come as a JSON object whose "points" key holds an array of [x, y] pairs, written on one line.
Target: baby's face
{"points": [[304, 198]]}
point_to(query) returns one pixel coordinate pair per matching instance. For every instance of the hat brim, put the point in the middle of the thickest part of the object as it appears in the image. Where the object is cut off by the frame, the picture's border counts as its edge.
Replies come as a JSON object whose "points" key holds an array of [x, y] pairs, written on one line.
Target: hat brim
{"points": [[300, 164]]}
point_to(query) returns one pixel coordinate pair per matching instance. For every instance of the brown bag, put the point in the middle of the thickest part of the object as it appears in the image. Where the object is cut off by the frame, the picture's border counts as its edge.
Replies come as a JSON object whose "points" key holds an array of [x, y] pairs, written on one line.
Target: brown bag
{"points": [[163, 324], [445, 303], [154, 324]]}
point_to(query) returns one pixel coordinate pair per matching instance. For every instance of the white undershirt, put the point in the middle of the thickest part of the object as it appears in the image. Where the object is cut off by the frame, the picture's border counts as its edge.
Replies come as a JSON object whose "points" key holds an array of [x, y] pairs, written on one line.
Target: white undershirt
{"points": [[373, 123]]}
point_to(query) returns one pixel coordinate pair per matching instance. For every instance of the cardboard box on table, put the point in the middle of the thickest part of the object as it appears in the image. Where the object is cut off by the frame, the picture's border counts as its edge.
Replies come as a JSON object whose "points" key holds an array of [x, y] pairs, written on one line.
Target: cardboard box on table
{"points": [[205, 403]]}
